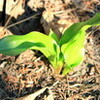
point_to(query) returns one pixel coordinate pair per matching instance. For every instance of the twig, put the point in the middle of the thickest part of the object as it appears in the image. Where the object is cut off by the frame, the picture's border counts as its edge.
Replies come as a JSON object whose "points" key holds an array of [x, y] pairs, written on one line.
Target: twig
{"points": [[3, 12], [11, 14], [34, 16]]}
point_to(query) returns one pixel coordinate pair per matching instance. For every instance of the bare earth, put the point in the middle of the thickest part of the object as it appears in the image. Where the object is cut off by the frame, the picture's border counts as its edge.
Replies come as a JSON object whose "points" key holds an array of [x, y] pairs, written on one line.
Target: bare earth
{"points": [[30, 72]]}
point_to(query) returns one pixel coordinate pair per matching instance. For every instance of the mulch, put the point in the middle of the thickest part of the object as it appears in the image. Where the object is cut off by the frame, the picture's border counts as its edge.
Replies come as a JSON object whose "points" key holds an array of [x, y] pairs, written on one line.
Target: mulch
{"points": [[30, 71]]}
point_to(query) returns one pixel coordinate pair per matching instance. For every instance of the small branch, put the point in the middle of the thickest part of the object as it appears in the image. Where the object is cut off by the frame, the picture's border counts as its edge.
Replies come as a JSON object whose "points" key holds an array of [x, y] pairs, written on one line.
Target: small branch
{"points": [[19, 22], [4, 13]]}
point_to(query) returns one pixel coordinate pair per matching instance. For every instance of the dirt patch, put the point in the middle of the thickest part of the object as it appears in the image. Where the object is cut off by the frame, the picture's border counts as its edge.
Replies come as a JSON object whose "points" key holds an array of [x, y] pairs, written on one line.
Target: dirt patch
{"points": [[30, 71]]}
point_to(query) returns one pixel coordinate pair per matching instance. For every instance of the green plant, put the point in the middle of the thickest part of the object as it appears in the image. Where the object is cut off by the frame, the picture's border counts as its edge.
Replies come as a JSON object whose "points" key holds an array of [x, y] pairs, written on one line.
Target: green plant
{"points": [[64, 53]]}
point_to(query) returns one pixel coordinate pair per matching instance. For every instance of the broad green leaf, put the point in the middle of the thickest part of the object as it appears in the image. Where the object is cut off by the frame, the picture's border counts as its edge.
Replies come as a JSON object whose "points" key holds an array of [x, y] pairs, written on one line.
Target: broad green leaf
{"points": [[58, 56], [14, 44], [53, 35], [73, 54], [72, 42], [72, 31]]}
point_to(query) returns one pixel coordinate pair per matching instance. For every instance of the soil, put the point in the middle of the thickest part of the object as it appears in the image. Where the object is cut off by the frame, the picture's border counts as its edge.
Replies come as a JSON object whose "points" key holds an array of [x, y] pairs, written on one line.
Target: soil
{"points": [[30, 72]]}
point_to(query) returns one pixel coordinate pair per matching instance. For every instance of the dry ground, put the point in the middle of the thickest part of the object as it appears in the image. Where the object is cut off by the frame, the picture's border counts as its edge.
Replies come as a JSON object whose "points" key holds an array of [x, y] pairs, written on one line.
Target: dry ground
{"points": [[30, 72]]}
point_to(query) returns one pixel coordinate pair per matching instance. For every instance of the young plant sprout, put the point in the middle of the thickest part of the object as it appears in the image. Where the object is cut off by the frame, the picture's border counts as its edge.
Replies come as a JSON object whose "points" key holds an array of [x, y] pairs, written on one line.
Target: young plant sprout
{"points": [[64, 53]]}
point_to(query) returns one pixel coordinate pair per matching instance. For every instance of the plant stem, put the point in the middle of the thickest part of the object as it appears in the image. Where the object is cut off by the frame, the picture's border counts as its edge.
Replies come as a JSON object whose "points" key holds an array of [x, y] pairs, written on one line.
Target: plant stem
{"points": [[57, 70]]}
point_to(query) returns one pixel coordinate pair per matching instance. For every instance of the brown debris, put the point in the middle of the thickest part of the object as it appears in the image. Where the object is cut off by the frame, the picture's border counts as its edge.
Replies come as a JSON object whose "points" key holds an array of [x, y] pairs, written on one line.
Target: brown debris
{"points": [[30, 71]]}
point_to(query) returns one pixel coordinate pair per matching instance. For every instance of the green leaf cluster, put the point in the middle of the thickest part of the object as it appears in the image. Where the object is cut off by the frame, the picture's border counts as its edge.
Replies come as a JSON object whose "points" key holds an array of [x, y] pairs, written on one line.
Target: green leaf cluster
{"points": [[64, 53]]}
